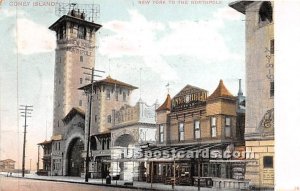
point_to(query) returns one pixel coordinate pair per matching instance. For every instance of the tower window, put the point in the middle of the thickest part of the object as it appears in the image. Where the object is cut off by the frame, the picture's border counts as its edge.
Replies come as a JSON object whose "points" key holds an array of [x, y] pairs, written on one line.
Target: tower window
{"points": [[96, 118], [81, 58], [109, 119], [161, 133], [80, 80], [227, 127], [181, 131], [81, 32], [271, 89], [107, 94], [272, 46], [80, 102], [117, 97], [266, 12], [213, 125], [197, 129], [124, 96], [268, 162]]}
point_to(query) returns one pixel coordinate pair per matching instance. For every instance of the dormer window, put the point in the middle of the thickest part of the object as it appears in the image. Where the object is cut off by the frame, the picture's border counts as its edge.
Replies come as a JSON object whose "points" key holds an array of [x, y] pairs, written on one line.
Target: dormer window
{"points": [[81, 32], [266, 13]]}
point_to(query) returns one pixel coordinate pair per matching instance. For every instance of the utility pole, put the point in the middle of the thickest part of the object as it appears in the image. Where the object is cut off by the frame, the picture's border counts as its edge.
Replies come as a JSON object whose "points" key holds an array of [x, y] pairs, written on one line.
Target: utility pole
{"points": [[25, 112], [87, 158], [38, 162]]}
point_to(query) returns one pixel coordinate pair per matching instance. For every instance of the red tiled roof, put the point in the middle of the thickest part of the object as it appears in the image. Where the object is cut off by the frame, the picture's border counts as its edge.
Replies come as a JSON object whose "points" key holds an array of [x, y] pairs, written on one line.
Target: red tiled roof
{"points": [[221, 91], [166, 105], [45, 142], [110, 81]]}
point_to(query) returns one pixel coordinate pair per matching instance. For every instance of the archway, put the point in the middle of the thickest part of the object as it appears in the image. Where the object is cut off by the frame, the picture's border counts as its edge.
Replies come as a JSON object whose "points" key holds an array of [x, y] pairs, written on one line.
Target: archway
{"points": [[124, 169], [75, 160], [124, 140]]}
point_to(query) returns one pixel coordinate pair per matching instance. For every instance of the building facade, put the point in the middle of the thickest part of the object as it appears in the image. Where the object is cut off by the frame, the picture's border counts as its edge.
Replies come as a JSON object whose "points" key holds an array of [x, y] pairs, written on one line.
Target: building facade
{"points": [[132, 126], [259, 129], [195, 124], [109, 96]]}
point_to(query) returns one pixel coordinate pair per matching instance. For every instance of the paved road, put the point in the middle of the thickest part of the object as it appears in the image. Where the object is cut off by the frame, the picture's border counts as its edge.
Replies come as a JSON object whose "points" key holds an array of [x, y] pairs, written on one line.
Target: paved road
{"points": [[19, 184]]}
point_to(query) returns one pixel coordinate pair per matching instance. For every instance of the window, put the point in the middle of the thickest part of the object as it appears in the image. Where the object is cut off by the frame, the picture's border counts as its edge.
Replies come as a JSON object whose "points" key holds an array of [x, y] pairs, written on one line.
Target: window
{"points": [[107, 146], [109, 119], [197, 129], [96, 118], [272, 45], [213, 124], [81, 32], [58, 123], [266, 12], [124, 96], [181, 131], [116, 96], [227, 127], [80, 80], [81, 58], [161, 133], [271, 89], [268, 162], [58, 145], [80, 102], [71, 28], [107, 94]]}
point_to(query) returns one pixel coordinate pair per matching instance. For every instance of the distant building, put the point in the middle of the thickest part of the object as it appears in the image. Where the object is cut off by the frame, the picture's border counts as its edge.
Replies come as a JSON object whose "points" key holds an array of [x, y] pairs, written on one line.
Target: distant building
{"points": [[7, 165], [259, 127]]}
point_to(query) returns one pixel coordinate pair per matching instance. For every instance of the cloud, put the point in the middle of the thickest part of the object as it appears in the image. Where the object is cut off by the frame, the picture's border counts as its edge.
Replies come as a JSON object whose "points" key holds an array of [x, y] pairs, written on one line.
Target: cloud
{"points": [[32, 38], [152, 40]]}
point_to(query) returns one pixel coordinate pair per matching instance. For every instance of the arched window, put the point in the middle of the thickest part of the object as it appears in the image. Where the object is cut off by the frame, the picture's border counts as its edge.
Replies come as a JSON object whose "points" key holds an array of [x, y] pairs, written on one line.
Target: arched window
{"points": [[266, 12], [81, 32]]}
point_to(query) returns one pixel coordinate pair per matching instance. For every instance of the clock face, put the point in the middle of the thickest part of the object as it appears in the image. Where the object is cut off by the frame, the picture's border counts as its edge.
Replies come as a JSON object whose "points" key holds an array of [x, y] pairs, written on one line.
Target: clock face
{"points": [[267, 121]]}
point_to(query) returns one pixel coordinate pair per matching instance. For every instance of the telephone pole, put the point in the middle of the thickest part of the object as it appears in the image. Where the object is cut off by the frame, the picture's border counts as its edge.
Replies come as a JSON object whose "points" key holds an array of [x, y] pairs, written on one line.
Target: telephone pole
{"points": [[87, 158], [25, 112]]}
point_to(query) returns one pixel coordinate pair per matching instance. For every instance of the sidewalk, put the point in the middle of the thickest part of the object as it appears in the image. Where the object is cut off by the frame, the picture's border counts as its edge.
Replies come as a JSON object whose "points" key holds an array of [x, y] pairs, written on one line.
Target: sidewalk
{"points": [[120, 183]]}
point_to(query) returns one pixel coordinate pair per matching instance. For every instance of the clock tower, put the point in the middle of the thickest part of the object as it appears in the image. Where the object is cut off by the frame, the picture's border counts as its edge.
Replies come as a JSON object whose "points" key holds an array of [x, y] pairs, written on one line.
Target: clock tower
{"points": [[259, 124], [76, 43]]}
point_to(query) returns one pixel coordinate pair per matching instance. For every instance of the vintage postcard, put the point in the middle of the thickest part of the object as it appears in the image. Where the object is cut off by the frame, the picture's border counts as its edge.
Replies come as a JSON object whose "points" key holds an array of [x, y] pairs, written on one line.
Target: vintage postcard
{"points": [[137, 94]]}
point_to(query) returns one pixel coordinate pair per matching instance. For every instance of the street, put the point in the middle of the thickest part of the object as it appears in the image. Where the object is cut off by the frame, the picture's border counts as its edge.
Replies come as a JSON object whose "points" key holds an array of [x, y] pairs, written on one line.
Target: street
{"points": [[19, 184]]}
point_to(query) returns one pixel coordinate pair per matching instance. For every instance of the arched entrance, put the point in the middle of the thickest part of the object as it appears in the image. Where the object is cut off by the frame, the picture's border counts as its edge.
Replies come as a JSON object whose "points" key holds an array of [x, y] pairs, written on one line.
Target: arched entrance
{"points": [[124, 140], [75, 160], [124, 169]]}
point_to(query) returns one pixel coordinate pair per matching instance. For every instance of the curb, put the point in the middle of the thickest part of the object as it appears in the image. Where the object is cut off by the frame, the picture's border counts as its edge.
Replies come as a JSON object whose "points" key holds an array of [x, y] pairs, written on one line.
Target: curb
{"points": [[85, 183]]}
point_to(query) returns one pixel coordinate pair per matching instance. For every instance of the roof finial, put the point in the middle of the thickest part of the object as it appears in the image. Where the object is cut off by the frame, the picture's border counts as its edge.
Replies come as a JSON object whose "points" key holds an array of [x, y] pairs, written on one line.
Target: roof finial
{"points": [[240, 93], [168, 87]]}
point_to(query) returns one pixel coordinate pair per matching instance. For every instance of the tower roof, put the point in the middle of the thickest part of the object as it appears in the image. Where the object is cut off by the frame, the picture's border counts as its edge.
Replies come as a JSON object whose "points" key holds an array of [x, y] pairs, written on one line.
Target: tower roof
{"points": [[221, 91], [74, 20], [240, 6], [109, 81], [166, 105]]}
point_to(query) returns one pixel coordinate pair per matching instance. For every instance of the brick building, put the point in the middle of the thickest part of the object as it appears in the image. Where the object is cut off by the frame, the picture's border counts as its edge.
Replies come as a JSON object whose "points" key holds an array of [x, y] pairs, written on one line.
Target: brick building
{"points": [[194, 123]]}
